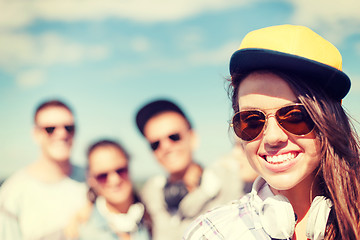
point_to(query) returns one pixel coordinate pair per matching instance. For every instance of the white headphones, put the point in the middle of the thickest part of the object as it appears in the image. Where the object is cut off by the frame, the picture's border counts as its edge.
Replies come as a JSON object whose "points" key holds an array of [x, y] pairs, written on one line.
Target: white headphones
{"points": [[278, 218], [318, 216]]}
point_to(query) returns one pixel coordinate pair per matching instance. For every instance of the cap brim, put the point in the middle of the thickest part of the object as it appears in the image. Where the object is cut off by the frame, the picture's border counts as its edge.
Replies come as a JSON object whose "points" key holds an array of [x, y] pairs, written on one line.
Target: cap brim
{"points": [[336, 83]]}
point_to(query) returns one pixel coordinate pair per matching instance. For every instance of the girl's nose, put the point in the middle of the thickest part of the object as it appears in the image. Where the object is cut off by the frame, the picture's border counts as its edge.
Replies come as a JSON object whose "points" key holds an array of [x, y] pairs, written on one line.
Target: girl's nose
{"points": [[273, 133]]}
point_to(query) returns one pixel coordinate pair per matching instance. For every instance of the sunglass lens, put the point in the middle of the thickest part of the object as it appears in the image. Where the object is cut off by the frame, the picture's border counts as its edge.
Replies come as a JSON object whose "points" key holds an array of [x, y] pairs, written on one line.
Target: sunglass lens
{"points": [[175, 137], [122, 172], [101, 178], [49, 130], [248, 124], [295, 119], [70, 129], [154, 145]]}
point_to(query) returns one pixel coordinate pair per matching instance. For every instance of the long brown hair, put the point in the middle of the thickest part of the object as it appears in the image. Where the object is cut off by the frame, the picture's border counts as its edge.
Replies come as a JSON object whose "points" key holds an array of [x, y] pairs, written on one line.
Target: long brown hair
{"points": [[339, 170]]}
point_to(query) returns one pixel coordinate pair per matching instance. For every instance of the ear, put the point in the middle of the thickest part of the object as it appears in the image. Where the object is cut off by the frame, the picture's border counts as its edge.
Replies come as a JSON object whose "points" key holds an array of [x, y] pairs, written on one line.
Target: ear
{"points": [[36, 134], [91, 182], [195, 141], [242, 145]]}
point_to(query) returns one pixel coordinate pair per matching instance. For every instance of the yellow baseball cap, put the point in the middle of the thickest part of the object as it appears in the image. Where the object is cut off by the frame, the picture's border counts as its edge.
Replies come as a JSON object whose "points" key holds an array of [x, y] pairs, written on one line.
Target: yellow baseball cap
{"points": [[296, 49]]}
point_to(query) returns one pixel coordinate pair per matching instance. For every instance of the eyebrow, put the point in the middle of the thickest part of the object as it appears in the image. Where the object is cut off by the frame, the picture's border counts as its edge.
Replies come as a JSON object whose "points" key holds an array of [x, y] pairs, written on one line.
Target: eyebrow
{"points": [[265, 109]]}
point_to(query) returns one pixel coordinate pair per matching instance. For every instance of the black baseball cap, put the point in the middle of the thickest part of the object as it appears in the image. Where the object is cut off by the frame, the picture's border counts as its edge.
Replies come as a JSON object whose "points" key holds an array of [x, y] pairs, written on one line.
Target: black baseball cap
{"points": [[154, 108]]}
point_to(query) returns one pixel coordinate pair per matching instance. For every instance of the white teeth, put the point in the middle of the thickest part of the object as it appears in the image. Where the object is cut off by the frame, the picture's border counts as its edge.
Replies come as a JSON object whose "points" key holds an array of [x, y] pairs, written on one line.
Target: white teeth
{"points": [[280, 158]]}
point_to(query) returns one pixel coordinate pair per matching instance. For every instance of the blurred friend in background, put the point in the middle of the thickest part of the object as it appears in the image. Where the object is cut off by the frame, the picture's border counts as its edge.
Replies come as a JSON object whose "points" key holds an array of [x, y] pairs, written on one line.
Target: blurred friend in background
{"points": [[37, 201], [117, 212], [187, 189]]}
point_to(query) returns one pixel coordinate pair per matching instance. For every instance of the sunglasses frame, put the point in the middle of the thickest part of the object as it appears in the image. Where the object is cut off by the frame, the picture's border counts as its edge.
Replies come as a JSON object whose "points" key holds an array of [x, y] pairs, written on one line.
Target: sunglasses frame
{"points": [[266, 120], [70, 129], [119, 171], [175, 137]]}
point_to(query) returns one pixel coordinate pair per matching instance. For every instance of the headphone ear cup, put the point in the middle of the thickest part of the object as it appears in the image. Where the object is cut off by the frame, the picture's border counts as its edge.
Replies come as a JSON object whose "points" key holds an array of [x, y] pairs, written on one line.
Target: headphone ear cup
{"points": [[277, 217], [318, 216], [174, 193]]}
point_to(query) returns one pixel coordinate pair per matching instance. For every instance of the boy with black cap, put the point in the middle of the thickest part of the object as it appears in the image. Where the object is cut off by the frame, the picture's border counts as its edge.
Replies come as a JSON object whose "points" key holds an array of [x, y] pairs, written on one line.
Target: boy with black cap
{"points": [[175, 200]]}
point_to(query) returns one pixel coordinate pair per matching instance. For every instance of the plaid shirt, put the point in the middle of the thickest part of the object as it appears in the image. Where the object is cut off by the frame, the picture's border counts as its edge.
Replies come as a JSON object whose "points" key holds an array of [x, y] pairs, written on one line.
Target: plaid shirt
{"points": [[237, 220]]}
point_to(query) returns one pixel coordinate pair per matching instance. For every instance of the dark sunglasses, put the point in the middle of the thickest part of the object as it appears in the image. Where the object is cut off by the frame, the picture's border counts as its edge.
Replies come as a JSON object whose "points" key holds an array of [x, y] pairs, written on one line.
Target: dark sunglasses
{"points": [[294, 119], [121, 172], [69, 129], [173, 137]]}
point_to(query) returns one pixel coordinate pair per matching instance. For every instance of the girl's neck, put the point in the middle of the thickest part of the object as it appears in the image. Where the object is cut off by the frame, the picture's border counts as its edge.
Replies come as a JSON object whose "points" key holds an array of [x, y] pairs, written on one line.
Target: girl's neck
{"points": [[301, 197]]}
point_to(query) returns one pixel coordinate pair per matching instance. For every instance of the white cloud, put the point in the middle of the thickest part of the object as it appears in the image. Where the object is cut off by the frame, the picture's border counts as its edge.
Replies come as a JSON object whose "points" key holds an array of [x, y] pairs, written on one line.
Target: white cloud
{"points": [[213, 56], [53, 49], [190, 38], [336, 19], [140, 44], [31, 78], [19, 13], [15, 50], [324, 11], [15, 14], [18, 50]]}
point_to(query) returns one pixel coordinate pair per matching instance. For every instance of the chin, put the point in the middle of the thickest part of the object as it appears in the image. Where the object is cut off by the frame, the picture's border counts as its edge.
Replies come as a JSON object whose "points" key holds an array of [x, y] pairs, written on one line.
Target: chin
{"points": [[281, 183], [282, 187], [178, 170], [116, 200], [62, 159], [60, 155]]}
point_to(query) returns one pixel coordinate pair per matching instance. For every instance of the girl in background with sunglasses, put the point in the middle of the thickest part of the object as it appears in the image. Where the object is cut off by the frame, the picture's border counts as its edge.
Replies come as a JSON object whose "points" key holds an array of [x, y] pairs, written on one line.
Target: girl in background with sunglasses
{"points": [[286, 89], [116, 212]]}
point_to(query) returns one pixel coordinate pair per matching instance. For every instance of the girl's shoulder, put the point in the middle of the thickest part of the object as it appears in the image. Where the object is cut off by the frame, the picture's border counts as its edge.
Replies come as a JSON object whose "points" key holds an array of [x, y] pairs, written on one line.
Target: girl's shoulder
{"points": [[236, 220]]}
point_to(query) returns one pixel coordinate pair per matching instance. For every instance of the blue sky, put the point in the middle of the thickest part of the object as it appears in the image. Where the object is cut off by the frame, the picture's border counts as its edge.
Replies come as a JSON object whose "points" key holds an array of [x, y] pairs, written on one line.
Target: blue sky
{"points": [[107, 58]]}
